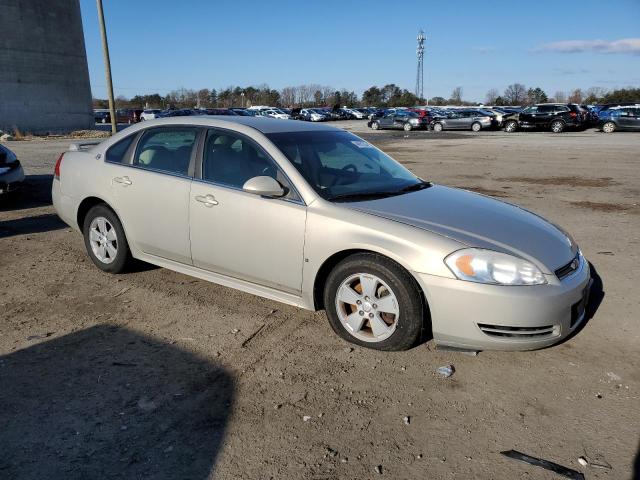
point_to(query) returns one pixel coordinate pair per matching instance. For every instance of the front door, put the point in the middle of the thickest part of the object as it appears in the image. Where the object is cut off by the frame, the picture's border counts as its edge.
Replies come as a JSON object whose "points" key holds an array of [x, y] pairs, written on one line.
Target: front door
{"points": [[151, 192], [241, 234]]}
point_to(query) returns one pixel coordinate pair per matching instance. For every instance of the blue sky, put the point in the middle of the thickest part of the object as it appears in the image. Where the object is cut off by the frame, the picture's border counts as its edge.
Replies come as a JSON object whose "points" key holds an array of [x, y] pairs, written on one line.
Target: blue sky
{"points": [[160, 45]]}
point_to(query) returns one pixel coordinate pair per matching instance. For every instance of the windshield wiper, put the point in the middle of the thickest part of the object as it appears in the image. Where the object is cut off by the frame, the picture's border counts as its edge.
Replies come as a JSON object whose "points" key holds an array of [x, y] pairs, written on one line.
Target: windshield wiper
{"points": [[382, 194], [415, 187], [361, 196]]}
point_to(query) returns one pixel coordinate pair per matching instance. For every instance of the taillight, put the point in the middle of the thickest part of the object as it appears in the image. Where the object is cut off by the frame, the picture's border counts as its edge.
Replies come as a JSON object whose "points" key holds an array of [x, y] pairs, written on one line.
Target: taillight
{"points": [[56, 169], [573, 114]]}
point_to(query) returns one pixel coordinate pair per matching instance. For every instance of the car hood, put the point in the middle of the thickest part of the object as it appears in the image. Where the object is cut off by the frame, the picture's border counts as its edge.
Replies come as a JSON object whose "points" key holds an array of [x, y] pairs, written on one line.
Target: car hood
{"points": [[478, 221]]}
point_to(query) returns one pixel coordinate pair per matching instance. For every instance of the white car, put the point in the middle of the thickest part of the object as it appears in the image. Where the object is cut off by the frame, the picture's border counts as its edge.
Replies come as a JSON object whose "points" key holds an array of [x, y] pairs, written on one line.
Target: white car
{"points": [[274, 113], [312, 115], [150, 114], [314, 216], [356, 113]]}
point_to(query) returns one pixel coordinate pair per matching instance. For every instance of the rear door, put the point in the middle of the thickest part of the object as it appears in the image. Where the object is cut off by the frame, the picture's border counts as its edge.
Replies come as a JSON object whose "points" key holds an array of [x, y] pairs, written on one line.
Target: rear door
{"points": [[627, 118], [151, 188]]}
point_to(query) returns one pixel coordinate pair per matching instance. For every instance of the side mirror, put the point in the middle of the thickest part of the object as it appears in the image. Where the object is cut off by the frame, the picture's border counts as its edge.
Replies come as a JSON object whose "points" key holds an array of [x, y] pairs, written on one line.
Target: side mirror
{"points": [[264, 186]]}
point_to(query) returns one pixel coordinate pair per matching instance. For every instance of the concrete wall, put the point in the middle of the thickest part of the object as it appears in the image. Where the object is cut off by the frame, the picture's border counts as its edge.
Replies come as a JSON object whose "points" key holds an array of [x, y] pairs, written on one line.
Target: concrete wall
{"points": [[44, 78]]}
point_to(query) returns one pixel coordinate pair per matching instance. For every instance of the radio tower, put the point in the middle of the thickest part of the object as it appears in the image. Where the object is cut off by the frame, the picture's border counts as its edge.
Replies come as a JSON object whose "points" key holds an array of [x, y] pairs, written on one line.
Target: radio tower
{"points": [[420, 72]]}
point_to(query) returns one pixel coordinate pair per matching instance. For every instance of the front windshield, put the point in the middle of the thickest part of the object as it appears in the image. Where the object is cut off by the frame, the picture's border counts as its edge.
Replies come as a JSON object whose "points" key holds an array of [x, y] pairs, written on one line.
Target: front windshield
{"points": [[340, 166]]}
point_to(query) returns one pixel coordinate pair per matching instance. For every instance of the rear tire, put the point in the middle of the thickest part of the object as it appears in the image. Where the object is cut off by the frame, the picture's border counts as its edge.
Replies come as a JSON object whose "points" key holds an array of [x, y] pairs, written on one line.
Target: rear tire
{"points": [[476, 127], [407, 127], [557, 126], [609, 127], [437, 127], [375, 126], [387, 287], [105, 240]]}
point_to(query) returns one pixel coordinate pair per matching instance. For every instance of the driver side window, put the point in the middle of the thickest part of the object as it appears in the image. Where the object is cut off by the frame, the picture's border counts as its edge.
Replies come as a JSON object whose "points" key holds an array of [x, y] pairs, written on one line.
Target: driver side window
{"points": [[230, 159]]}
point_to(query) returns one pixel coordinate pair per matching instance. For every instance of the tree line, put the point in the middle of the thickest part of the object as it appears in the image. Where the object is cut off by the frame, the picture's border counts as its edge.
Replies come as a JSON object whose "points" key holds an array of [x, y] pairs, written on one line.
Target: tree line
{"points": [[390, 95]]}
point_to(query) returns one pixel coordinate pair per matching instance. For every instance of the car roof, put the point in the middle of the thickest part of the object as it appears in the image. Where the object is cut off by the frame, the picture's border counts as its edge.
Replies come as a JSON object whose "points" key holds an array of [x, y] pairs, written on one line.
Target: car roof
{"points": [[262, 124]]}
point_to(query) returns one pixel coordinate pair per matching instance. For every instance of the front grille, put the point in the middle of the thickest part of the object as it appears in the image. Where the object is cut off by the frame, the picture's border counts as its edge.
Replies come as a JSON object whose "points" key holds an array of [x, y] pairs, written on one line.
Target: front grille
{"points": [[516, 332], [569, 268]]}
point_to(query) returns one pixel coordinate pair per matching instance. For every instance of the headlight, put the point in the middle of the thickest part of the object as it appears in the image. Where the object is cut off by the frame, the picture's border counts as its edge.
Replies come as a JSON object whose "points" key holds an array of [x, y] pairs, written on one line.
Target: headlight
{"points": [[414, 121], [486, 266]]}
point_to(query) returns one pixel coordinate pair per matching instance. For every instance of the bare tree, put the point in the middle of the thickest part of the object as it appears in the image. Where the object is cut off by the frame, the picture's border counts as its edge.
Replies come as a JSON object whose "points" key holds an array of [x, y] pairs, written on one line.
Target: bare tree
{"points": [[515, 94], [456, 96], [560, 97], [491, 96], [576, 96], [595, 94], [288, 96]]}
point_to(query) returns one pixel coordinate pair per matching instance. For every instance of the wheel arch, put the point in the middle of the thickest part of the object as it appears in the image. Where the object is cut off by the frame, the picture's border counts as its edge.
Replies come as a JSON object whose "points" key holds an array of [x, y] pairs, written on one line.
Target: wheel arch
{"points": [[86, 205], [333, 260]]}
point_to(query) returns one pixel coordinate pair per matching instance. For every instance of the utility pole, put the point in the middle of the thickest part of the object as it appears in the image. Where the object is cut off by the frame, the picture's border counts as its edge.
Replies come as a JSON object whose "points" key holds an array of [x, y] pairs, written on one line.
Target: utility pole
{"points": [[107, 68]]}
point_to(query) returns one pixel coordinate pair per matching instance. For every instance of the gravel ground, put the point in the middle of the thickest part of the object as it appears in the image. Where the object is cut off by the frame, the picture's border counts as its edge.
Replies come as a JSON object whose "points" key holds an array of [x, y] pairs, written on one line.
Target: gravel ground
{"points": [[154, 374]]}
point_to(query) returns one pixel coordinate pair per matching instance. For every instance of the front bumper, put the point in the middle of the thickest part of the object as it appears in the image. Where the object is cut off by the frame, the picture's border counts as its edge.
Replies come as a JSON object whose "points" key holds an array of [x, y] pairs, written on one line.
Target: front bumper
{"points": [[11, 178], [490, 317]]}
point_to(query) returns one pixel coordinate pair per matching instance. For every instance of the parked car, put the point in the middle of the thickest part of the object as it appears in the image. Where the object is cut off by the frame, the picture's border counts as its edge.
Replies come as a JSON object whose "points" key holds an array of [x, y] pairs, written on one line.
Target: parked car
{"points": [[182, 112], [620, 118], [461, 120], [219, 111], [150, 114], [123, 115], [11, 173], [276, 113], [317, 217], [311, 115], [399, 120], [101, 115], [244, 112], [548, 116]]}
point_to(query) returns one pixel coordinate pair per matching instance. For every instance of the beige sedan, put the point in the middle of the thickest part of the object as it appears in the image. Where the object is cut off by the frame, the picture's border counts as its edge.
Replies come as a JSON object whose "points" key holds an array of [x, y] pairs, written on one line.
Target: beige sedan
{"points": [[316, 217]]}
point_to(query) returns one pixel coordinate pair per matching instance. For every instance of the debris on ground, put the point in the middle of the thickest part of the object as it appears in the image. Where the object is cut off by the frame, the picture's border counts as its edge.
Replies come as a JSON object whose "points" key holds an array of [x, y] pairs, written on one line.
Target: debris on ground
{"points": [[306, 418], [546, 464], [347, 350], [583, 461], [121, 292], [378, 469], [614, 376], [406, 420], [39, 337], [446, 371]]}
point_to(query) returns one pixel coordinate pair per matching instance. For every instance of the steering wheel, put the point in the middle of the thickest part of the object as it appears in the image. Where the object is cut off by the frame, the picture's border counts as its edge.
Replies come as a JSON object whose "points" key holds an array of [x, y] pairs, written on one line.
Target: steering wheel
{"points": [[350, 167]]}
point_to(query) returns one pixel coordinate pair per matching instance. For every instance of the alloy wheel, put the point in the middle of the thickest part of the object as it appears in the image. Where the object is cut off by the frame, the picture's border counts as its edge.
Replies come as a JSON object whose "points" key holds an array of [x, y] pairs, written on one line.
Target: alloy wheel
{"points": [[557, 127], [609, 127], [367, 307], [103, 240]]}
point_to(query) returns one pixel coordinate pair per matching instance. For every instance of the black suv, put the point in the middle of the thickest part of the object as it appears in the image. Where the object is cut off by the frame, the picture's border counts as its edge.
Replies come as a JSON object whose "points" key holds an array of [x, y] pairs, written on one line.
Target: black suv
{"points": [[548, 116]]}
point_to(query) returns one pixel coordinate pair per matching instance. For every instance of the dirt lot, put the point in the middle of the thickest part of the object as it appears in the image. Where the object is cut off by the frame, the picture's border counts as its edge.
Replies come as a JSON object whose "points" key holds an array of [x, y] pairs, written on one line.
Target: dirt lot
{"points": [[154, 374]]}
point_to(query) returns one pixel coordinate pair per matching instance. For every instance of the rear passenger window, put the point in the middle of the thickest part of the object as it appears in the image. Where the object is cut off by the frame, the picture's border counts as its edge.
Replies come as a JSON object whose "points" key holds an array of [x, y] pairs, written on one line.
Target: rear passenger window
{"points": [[117, 152], [166, 149]]}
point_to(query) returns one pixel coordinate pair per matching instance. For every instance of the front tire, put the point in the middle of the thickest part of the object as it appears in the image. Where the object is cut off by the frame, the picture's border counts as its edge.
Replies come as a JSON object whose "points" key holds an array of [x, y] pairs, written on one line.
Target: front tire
{"points": [[511, 126], [105, 240], [476, 127], [609, 127], [407, 127], [557, 126], [437, 127], [373, 302], [375, 126]]}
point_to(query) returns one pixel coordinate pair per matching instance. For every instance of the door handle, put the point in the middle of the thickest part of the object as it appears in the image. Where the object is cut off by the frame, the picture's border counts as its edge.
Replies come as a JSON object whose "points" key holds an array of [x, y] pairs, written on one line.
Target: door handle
{"points": [[123, 180], [208, 200]]}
